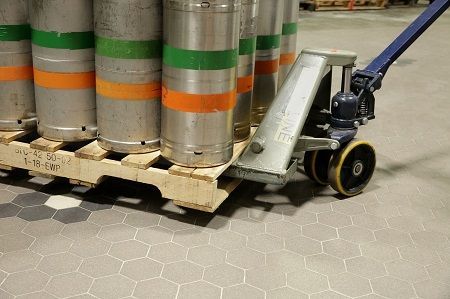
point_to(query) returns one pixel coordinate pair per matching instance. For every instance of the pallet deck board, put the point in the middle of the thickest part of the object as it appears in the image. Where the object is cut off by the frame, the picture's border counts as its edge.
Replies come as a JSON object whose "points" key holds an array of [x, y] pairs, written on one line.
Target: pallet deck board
{"points": [[90, 165], [8, 136]]}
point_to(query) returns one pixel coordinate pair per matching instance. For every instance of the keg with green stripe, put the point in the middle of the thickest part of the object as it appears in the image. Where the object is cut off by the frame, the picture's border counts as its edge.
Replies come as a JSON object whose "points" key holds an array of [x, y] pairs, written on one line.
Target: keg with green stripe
{"points": [[200, 56], [288, 48], [246, 68], [128, 35], [64, 69], [270, 20], [17, 108]]}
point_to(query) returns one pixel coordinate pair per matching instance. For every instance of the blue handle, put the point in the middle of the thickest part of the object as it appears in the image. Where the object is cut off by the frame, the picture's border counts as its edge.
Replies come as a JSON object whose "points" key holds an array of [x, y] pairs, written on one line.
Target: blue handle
{"points": [[382, 63]]}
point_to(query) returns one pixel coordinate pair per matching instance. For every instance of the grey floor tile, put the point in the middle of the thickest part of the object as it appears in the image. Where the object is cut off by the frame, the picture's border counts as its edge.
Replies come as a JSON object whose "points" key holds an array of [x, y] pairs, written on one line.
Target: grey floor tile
{"points": [[265, 278], [37, 295], [356, 234], [285, 292], [117, 232], [325, 264], [141, 269], [307, 281], [100, 266], [9, 210], [393, 237], [11, 225], [115, 286], [199, 289], [107, 217], [80, 230], [30, 199], [283, 229], [48, 245], [72, 215], [224, 275], [392, 287], [247, 227], [69, 284], [303, 245], [319, 232], [245, 258], [328, 295], [25, 282], [36, 213], [59, 263], [341, 248], [41, 228], [128, 250], [379, 251], [406, 270], [97, 203], [365, 267], [265, 243], [285, 260], [19, 261], [182, 272], [421, 256], [334, 219], [14, 242], [206, 255], [168, 252], [142, 219], [439, 272], [300, 217], [431, 289], [350, 284], [158, 287], [227, 240], [6, 196], [191, 238], [154, 235], [90, 247]]}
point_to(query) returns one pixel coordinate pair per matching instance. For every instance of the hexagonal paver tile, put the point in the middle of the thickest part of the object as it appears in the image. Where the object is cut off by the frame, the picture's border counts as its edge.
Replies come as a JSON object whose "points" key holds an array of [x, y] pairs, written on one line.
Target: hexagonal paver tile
{"points": [[36, 295], [5, 295], [14, 242], [432, 289], [158, 287], [369, 221], [325, 264], [141, 269], [379, 251], [6, 196], [36, 213], [406, 224], [128, 250], [421, 256], [299, 217], [334, 219], [393, 237], [439, 272], [406, 270], [307, 281], [59, 263], [285, 292], [25, 282], [283, 229], [59, 202], [168, 252], [41, 228], [207, 255], [142, 219], [265, 278], [285, 260], [9, 210], [265, 243], [356, 234], [70, 284], [242, 291], [115, 286], [224, 275], [80, 230], [382, 210], [11, 225], [247, 227], [107, 217], [213, 223], [392, 287], [19, 261], [90, 247], [191, 237], [347, 207], [117, 232], [199, 289], [246, 258], [31, 199], [341, 248], [97, 203], [72, 215], [48, 245], [303, 246], [319, 232], [100, 266], [227, 240], [154, 235], [365, 267], [350, 284], [182, 272], [175, 222], [427, 239]]}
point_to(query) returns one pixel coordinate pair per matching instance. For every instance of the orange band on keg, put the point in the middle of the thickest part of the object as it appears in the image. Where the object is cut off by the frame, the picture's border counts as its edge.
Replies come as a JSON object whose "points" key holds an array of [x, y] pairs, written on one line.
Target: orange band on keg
{"points": [[288, 58], [13, 73], [64, 80], [245, 84], [197, 103], [266, 67], [124, 91]]}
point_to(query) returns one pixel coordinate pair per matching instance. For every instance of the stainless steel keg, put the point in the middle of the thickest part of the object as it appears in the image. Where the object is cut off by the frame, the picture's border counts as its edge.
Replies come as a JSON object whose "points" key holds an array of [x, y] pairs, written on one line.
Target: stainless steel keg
{"points": [[288, 48]]}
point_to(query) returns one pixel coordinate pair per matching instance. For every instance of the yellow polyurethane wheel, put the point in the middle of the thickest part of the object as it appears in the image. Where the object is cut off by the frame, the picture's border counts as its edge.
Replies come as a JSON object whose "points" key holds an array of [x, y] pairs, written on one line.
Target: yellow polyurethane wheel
{"points": [[352, 167], [316, 165]]}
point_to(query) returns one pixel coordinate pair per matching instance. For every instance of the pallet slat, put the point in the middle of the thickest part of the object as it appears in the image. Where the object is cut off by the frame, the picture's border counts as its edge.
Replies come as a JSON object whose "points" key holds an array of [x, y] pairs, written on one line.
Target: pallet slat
{"points": [[43, 144], [92, 151], [141, 161], [7, 137]]}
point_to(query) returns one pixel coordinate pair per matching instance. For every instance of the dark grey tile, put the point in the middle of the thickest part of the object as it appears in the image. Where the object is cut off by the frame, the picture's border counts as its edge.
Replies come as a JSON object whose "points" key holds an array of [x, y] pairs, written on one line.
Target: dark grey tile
{"points": [[31, 199], [72, 215], [9, 210], [97, 203], [36, 213]]}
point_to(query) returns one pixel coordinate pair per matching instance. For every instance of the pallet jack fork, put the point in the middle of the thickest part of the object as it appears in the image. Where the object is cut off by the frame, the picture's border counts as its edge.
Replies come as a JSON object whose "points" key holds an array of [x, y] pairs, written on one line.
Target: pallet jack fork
{"points": [[303, 104]]}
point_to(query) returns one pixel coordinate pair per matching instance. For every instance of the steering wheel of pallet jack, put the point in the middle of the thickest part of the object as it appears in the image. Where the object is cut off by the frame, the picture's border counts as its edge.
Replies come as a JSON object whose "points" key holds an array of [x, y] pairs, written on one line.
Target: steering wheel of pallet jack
{"points": [[352, 167], [316, 164]]}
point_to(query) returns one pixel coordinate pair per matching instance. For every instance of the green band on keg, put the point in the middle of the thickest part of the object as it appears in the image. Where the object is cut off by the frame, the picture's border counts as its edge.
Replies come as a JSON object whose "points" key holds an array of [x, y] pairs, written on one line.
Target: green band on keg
{"points": [[14, 33], [289, 28], [199, 60], [267, 42], [128, 49], [247, 46], [59, 40]]}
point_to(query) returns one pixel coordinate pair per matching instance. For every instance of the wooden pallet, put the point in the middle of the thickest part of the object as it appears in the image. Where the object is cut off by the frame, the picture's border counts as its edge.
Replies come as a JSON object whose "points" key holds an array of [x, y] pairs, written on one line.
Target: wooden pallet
{"points": [[197, 188], [349, 4]]}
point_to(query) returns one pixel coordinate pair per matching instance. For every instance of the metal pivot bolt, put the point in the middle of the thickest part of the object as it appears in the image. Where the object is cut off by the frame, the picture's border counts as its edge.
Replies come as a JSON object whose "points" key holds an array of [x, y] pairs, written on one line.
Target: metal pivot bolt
{"points": [[257, 145]]}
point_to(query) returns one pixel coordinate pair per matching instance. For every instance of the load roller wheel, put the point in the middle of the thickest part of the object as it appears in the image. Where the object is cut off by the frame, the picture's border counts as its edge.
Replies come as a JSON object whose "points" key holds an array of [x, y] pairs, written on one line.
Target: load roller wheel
{"points": [[316, 164], [352, 167]]}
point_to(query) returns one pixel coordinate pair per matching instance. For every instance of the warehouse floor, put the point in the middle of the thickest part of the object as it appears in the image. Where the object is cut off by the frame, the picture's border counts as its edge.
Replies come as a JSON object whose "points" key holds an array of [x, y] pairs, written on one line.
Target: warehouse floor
{"points": [[297, 241]]}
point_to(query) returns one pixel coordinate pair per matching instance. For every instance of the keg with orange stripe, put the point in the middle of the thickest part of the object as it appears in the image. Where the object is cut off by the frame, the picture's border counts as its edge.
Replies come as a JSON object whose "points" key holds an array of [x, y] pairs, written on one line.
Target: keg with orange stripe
{"points": [[200, 54], [270, 19], [128, 36], [17, 108], [246, 68], [64, 72], [288, 48]]}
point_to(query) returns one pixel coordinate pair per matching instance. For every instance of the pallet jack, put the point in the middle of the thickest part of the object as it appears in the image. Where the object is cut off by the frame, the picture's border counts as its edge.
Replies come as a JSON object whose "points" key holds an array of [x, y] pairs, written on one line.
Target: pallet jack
{"points": [[304, 120]]}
